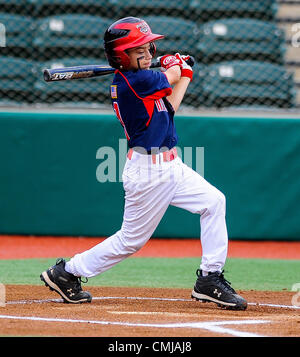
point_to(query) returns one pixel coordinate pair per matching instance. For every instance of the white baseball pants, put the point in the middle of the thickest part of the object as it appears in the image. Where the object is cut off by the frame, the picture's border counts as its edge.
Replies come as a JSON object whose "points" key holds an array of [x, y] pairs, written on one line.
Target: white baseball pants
{"points": [[150, 187]]}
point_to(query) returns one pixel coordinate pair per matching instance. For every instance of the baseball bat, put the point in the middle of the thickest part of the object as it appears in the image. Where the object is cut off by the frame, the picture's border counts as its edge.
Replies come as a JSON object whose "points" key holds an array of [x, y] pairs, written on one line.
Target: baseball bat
{"points": [[89, 71]]}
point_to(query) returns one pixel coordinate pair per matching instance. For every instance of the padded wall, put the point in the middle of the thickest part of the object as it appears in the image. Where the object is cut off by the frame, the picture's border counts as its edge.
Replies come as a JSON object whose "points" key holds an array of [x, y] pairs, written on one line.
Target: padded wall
{"points": [[49, 185]]}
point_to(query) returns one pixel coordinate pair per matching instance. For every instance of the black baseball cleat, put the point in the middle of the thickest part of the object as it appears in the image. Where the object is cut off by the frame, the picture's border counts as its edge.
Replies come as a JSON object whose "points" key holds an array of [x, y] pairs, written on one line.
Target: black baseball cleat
{"points": [[67, 285], [215, 288]]}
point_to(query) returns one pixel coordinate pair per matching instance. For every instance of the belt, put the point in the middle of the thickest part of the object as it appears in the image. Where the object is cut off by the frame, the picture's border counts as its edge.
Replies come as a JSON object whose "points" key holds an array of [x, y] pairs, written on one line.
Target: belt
{"points": [[166, 156]]}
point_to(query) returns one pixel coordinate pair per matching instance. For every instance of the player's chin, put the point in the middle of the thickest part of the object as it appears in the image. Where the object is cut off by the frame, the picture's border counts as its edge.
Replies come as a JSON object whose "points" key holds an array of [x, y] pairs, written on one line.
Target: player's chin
{"points": [[146, 65]]}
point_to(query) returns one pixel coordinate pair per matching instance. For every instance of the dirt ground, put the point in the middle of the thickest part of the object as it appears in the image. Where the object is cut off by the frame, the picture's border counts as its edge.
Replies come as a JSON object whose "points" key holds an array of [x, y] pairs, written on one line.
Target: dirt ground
{"points": [[144, 312]]}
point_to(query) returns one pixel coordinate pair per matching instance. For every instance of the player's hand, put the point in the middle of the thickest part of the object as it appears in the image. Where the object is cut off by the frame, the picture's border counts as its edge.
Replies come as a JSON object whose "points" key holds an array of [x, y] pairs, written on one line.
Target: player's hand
{"points": [[168, 61], [186, 70]]}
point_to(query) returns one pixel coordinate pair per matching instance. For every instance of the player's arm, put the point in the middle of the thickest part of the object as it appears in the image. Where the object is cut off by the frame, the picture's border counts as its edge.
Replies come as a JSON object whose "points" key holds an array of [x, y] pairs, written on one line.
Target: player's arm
{"points": [[173, 74], [178, 92], [172, 68], [179, 74]]}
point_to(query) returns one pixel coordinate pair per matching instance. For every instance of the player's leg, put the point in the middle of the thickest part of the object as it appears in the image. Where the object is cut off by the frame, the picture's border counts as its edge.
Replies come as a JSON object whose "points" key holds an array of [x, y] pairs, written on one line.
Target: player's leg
{"points": [[198, 196], [146, 199], [143, 210]]}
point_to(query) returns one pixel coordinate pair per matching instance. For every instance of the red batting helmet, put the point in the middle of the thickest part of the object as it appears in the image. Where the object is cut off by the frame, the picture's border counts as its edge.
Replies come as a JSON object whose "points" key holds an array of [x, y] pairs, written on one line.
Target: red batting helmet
{"points": [[124, 34]]}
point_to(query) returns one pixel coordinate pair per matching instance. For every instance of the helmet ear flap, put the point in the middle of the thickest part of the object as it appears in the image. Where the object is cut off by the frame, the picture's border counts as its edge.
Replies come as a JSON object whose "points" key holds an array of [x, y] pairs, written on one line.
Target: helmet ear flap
{"points": [[122, 59], [118, 59]]}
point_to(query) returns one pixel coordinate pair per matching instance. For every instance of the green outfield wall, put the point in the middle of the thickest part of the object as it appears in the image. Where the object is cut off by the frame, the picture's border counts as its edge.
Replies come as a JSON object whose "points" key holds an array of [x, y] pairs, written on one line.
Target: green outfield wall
{"points": [[52, 166]]}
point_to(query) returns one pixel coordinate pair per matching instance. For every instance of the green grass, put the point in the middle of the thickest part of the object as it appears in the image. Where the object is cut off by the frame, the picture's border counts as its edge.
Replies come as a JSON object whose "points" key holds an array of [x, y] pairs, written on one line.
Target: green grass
{"points": [[244, 274]]}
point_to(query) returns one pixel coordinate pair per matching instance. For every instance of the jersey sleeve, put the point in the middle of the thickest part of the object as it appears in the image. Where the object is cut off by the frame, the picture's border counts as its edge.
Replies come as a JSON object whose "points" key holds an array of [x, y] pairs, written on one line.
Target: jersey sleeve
{"points": [[152, 84]]}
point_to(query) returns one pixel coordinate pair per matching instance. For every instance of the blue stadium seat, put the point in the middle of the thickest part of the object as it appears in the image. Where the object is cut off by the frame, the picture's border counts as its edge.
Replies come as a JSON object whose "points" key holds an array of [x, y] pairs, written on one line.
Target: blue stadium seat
{"points": [[230, 39], [194, 93], [17, 77], [18, 31], [207, 10], [180, 34], [53, 7], [71, 34], [143, 8], [88, 89], [238, 83]]}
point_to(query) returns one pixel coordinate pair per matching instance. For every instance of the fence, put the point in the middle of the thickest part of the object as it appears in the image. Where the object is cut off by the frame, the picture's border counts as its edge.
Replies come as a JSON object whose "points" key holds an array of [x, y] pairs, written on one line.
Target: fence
{"points": [[241, 48]]}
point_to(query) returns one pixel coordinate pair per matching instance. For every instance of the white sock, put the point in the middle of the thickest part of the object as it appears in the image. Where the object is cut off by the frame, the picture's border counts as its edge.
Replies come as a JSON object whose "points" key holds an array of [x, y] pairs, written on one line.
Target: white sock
{"points": [[68, 269]]}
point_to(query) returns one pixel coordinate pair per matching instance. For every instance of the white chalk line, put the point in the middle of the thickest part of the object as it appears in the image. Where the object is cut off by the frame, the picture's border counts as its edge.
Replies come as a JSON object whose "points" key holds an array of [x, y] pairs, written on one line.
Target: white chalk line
{"points": [[156, 313], [210, 326], [41, 301], [214, 326]]}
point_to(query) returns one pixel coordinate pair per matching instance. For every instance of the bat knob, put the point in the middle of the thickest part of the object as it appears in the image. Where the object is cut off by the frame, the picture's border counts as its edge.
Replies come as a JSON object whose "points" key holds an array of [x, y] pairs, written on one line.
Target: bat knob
{"points": [[47, 76], [191, 61]]}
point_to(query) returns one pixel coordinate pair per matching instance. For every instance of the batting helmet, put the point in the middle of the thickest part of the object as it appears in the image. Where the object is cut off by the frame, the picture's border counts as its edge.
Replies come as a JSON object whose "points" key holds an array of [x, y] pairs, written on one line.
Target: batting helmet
{"points": [[124, 34]]}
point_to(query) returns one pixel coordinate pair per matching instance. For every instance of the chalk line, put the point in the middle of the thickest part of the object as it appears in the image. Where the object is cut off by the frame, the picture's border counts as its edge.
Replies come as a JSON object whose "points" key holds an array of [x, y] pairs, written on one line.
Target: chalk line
{"points": [[41, 301], [216, 327]]}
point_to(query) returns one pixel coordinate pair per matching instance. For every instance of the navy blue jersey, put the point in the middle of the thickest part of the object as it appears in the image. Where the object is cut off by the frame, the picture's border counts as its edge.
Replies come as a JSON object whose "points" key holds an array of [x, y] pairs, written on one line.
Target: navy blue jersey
{"points": [[139, 101]]}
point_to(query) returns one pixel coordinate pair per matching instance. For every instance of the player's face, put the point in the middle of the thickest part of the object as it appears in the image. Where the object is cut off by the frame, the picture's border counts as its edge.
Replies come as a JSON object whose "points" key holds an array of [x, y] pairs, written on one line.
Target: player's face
{"points": [[140, 57]]}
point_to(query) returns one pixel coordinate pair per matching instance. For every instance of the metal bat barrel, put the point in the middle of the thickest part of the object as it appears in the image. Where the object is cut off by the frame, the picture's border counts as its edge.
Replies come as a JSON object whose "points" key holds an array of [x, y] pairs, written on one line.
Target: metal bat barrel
{"points": [[77, 72], [88, 71]]}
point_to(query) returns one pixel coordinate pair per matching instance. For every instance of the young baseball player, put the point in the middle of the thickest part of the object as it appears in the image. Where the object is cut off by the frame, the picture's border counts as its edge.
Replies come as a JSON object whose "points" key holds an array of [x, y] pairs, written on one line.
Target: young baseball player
{"points": [[154, 177]]}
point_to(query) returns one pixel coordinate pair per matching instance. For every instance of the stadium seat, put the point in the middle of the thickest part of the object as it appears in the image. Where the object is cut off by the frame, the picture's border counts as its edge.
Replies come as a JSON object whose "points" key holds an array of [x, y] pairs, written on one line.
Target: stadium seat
{"points": [[154, 7], [230, 39], [70, 35], [18, 31], [180, 34], [53, 7], [79, 89], [238, 83], [17, 77], [204, 11], [194, 94]]}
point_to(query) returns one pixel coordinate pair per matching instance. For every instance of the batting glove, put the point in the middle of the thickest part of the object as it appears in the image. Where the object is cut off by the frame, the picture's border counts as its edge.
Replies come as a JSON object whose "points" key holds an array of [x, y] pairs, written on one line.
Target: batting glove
{"points": [[186, 70], [168, 61]]}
